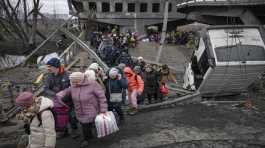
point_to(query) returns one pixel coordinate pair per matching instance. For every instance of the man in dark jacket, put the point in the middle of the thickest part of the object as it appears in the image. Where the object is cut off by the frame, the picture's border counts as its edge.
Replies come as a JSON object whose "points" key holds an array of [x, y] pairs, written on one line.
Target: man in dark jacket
{"points": [[151, 79], [126, 59], [56, 81], [115, 85], [140, 62]]}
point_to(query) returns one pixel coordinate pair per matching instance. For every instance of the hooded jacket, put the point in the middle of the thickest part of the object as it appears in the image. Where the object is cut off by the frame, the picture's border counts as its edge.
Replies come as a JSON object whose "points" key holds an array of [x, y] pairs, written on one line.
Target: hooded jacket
{"points": [[134, 81], [151, 80], [55, 83], [88, 98], [43, 135], [115, 85]]}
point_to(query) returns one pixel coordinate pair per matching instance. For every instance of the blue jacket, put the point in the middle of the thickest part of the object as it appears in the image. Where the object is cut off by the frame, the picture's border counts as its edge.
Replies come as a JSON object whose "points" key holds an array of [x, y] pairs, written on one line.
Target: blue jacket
{"points": [[55, 83], [115, 86]]}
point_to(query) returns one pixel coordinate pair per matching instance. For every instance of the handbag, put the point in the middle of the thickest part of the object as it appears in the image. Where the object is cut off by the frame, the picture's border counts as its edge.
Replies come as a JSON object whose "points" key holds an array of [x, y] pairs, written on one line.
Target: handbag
{"points": [[115, 97], [164, 90], [106, 124]]}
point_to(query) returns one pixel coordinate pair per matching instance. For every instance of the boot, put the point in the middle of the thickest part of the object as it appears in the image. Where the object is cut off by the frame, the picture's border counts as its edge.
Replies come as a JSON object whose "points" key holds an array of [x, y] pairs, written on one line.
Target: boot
{"points": [[133, 111], [74, 134], [62, 134], [129, 110]]}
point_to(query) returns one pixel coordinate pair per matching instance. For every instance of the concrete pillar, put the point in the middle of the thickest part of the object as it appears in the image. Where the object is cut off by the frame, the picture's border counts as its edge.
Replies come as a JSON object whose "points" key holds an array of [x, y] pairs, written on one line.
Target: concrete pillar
{"points": [[161, 7], [125, 7], [149, 7], [112, 6], [137, 7], [99, 6]]}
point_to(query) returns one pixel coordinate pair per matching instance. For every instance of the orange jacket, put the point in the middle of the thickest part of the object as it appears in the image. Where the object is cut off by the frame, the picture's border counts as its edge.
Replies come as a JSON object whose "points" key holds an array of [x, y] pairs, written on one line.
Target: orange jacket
{"points": [[134, 81]]}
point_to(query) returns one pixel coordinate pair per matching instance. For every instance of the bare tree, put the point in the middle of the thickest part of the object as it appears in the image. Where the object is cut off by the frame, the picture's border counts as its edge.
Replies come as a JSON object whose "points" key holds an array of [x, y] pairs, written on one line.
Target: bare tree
{"points": [[16, 23]]}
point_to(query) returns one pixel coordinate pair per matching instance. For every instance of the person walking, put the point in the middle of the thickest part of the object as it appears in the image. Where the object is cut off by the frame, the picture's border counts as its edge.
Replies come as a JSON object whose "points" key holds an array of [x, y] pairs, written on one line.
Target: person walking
{"points": [[38, 115], [135, 88], [89, 100], [116, 84], [57, 80]]}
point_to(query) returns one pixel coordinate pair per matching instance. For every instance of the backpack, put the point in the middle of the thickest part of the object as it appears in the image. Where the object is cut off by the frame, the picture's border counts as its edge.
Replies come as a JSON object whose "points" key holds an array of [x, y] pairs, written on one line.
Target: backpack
{"points": [[27, 126]]}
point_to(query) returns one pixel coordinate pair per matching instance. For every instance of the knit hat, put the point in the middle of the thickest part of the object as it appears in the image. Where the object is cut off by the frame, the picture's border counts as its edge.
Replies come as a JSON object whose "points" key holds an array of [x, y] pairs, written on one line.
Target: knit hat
{"points": [[122, 66], [113, 72], [94, 66], [77, 76], [90, 75], [25, 99], [137, 69], [140, 58], [54, 62]]}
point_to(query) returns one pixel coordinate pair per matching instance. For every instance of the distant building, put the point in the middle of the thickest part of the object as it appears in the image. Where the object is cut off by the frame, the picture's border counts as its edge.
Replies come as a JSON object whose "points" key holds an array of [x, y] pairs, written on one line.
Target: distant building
{"points": [[57, 16], [135, 15]]}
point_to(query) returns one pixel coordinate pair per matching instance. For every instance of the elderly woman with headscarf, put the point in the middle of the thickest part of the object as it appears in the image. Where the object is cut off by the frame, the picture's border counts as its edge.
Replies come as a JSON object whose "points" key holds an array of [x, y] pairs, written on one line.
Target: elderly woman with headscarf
{"points": [[89, 100], [37, 113], [116, 84]]}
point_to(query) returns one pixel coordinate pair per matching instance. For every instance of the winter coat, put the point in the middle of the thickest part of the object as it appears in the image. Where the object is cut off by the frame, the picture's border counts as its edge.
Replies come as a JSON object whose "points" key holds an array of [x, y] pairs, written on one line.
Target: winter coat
{"points": [[43, 135], [141, 64], [151, 82], [88, 98], [134, 81], [125, 59], [115, 86], [55, 83], [166, 77]]}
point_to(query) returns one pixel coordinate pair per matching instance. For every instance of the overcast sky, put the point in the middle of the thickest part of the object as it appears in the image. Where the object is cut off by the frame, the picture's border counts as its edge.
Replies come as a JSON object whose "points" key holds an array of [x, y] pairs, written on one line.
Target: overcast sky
{"points": [[60, 6]]}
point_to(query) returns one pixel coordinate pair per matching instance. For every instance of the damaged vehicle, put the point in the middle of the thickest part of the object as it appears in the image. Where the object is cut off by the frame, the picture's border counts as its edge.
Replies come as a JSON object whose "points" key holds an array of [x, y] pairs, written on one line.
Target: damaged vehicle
{"points": [[227, 60]]}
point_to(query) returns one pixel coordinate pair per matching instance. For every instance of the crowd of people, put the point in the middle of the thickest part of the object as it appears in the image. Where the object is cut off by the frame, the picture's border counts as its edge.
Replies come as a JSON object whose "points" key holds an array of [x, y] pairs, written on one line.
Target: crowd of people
{"points": [[77, 98], [120, 40], [174, 37]]}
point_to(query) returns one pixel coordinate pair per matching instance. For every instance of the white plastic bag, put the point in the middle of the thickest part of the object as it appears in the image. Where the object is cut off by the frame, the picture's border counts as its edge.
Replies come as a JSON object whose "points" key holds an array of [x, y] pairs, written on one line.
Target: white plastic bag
{"points": [[106, 124]]}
